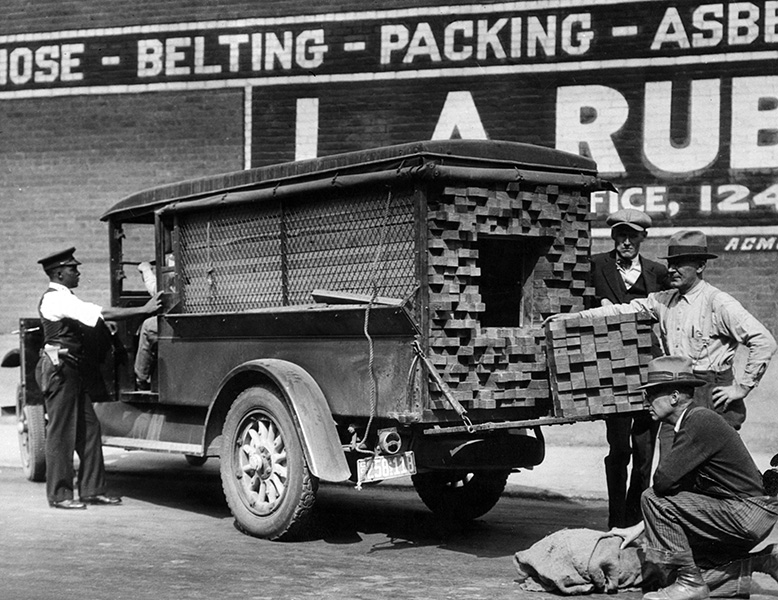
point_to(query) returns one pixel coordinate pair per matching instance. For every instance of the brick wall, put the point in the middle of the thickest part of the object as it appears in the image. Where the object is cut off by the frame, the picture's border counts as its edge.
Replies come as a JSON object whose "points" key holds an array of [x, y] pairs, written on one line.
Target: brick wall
{"points": [[65, 161]]}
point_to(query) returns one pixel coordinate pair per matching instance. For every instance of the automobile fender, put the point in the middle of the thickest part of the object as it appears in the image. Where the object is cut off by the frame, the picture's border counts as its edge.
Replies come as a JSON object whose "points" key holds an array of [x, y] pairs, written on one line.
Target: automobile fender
{"points": [[304, 397]]}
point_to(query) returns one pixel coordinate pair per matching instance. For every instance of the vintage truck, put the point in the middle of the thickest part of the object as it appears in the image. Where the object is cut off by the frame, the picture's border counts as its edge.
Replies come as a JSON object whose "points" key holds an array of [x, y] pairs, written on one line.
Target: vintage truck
{"points": [[354, 317]]}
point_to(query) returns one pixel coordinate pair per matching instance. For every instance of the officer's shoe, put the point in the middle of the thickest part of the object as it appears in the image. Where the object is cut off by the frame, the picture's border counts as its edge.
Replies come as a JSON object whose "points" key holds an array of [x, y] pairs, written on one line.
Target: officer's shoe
{"points": [[102, 499], [68, 504], [689, 585]]}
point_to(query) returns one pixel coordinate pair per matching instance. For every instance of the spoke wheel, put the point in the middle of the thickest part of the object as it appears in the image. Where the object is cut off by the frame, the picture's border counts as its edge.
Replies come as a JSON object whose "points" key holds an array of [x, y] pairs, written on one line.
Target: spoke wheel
{"points": [[458, 495], [265, 477], [31, 425]]}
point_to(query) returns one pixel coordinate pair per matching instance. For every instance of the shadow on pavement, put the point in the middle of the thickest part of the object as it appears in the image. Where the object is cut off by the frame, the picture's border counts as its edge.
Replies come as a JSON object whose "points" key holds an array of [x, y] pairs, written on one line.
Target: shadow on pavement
{"points": [[386, 517]]}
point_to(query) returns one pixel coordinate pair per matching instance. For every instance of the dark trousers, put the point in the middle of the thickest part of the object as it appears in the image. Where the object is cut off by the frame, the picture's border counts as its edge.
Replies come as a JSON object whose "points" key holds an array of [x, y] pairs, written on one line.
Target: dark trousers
{"points": [[72, 427], [631, 437], [735, 414], [715, 534]]}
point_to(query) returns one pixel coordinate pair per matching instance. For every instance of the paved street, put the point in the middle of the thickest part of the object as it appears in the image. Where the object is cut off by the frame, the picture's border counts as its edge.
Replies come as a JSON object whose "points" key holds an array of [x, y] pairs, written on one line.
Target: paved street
{"points": [[173, 539]]}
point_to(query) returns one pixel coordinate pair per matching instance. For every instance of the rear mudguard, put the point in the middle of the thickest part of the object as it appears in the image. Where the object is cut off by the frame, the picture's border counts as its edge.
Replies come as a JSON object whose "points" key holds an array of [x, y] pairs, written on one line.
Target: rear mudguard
{"points": [[307, 403]]}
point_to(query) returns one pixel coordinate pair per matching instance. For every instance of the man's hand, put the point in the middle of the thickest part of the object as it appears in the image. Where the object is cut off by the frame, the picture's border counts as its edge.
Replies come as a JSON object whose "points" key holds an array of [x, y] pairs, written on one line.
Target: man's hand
{"points": [[628, 534], [724, 395], [558, 317], [154, 303]]}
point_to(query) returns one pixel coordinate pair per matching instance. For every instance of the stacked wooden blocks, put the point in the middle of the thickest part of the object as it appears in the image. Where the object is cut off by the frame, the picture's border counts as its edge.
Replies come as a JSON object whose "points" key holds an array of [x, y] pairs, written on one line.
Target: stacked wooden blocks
{"points": [[497, 367], [595, 364]]}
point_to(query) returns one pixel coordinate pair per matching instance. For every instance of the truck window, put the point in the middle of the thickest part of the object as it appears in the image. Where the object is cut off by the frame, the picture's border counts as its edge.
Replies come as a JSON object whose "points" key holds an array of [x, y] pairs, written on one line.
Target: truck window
{"points": [[137, 245]]}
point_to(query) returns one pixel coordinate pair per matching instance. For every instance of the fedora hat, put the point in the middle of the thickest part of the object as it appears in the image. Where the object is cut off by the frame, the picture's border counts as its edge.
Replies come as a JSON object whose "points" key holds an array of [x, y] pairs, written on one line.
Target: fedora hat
{"points": [[629, 217], [688, 243], [670, 370]]}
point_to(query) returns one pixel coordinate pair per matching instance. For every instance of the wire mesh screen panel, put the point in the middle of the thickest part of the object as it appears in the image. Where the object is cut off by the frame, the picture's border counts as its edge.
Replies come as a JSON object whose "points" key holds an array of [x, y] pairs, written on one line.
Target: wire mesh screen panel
{"points": [[333, 245], [231, 259], [262, 255]]}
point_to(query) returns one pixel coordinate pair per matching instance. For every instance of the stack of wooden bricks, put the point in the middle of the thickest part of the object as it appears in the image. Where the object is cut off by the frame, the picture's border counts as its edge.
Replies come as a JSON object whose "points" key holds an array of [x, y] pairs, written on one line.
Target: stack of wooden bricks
{"points": [[495, 367], [596, 364]]}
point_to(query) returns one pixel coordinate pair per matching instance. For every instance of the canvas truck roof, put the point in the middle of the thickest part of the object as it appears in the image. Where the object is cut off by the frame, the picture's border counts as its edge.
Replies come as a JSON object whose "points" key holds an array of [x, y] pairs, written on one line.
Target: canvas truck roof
{"points": [[465, 158]]}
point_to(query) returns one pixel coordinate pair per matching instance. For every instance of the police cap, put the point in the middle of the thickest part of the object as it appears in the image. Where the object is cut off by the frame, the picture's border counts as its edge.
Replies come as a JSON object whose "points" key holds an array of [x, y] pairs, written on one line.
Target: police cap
{"points": [[62, 258]]}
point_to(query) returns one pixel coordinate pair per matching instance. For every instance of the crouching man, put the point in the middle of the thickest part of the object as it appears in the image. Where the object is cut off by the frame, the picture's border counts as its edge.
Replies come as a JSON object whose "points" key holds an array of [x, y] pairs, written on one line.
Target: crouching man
{"points": [[707, 509]]}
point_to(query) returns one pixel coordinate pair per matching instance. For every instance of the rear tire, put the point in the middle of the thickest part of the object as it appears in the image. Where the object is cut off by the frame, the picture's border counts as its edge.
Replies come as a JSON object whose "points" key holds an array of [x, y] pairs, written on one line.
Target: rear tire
{"points": [[265, 476], [460, 496], [31, 425]]}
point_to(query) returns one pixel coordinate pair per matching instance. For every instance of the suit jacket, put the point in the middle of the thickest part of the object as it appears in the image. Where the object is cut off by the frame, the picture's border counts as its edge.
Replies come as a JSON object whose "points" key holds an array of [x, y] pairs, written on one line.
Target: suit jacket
{"points": [[607, 281]]}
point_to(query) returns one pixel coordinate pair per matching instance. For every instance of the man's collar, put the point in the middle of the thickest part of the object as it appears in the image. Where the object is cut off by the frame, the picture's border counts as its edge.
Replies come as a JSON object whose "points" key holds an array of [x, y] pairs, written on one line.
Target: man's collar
{"points": [[680, 419], [629, 264], [59, 287], [695, 291]]}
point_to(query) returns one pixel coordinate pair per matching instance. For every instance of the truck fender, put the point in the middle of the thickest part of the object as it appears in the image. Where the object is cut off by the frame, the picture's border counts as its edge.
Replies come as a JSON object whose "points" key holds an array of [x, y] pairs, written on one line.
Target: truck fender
{"points": [[304, 397]]}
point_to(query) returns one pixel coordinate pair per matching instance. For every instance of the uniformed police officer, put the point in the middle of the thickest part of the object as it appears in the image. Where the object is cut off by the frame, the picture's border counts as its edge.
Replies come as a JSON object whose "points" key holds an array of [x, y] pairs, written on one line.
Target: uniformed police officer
{"points": [[67, 373]]}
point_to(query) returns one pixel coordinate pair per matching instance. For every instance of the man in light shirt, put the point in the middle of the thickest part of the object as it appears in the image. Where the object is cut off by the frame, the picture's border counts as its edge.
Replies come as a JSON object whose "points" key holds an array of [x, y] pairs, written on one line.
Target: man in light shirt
{"points": [[700, 322], [66, 373]]}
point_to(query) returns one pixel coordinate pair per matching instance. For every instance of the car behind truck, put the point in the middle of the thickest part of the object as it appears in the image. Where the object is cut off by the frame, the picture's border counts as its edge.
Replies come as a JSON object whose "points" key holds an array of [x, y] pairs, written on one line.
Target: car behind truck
{"points": [[354, 317]]}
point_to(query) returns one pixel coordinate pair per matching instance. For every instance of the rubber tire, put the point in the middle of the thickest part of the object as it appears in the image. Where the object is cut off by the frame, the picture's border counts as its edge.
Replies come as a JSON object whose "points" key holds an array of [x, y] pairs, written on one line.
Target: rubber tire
{"points": [[460, 496], [289, 517], [195, 461], [32, 438]]}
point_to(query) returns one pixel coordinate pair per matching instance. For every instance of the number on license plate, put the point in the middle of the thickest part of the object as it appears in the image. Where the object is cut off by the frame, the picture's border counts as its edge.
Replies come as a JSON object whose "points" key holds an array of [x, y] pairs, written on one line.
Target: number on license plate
{"points": [[377, 468]]}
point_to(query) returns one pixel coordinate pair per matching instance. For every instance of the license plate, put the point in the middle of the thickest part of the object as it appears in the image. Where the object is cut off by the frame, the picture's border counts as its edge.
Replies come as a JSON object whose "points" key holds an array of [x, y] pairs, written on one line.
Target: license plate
{"points": [[378, 468]]}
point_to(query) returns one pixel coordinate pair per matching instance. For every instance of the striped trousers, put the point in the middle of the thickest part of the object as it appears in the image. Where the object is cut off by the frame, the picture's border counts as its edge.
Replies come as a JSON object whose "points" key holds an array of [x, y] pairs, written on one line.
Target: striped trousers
{"points": [[715, 534]]}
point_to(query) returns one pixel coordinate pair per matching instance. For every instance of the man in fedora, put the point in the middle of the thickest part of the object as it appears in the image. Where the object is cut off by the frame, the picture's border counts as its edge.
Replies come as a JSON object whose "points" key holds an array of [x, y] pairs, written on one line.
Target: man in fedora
{"points": [[702, 323], [66, 373], [707, 510], [618, 277]]}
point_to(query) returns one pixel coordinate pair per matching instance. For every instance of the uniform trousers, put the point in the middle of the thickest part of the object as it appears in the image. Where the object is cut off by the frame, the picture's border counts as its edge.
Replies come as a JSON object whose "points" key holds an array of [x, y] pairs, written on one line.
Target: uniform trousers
{"points": [[715, 534], [630, 437], [72, 427]]}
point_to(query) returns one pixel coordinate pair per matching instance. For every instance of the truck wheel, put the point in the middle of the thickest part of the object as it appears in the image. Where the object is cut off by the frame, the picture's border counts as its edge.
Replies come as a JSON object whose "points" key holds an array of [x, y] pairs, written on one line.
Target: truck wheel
{"points": [[31, 425], [265, 477], [460, 496]]}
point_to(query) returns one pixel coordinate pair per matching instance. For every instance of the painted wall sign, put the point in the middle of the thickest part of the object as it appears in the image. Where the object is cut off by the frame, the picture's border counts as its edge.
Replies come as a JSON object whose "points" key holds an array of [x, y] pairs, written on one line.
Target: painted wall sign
{"points": [[677, 101]]}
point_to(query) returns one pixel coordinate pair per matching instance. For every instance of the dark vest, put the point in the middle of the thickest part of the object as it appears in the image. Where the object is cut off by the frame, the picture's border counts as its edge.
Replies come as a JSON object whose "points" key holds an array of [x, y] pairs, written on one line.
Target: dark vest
{"points": [[636, 291], [67, 333]]}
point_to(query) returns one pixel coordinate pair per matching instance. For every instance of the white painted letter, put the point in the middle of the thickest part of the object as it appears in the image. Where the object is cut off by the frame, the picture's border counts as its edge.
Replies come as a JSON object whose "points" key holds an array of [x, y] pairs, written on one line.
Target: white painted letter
{"points": [[670, 31], [754, 122], [393, 39], [587, 116], [306, 142], [702, 140], [450, 40], [460, 115], [743, 23], [713, 28], [577, 34], [150, 58]]}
